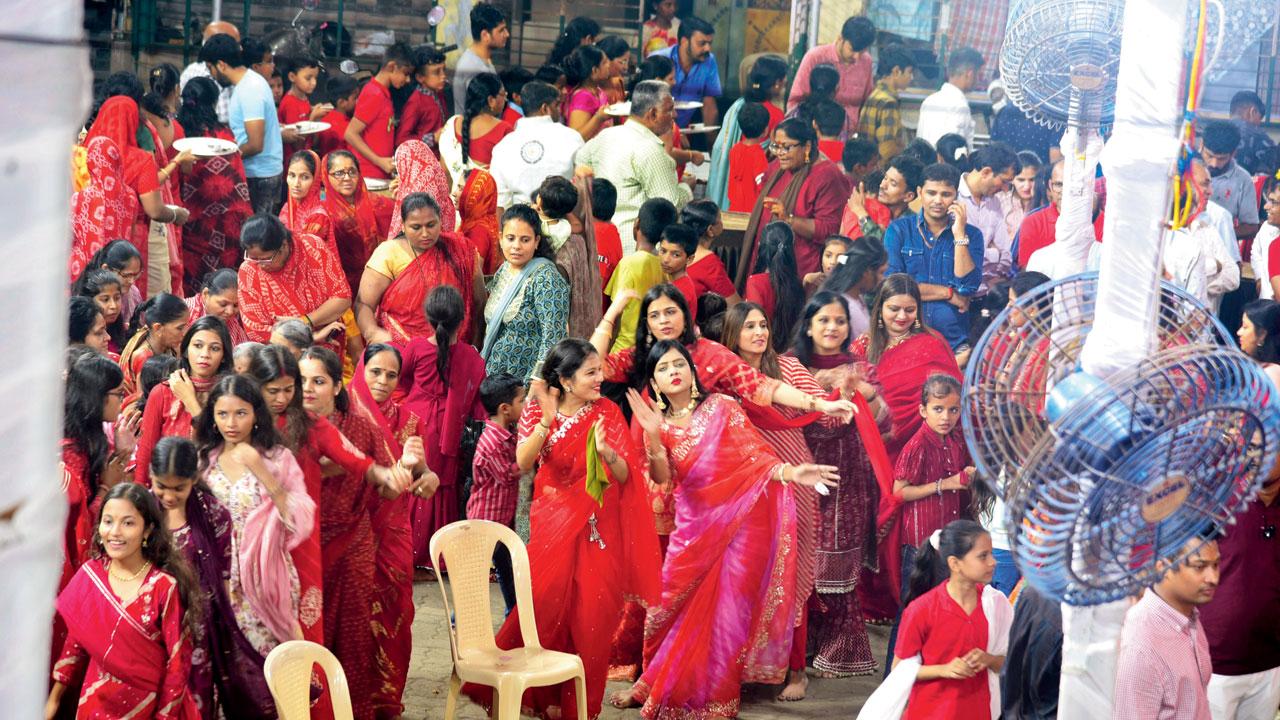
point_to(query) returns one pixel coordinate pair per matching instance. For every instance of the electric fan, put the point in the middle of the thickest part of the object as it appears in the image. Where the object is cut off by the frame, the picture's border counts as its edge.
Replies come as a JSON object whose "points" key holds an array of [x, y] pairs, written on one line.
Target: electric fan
{"points": [[1105, 479]]}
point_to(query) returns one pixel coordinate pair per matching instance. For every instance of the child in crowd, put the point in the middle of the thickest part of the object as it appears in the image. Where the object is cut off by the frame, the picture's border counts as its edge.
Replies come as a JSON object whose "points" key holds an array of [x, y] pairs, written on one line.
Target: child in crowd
{"points": [[424, 112], [555, 200], [705, 268], [678, 243], [342, 91], [513, 79], [859, 157], [832, 249], [553, 74], [302, 72], [829, 119], [276, 81], [641, 270], [495, 477], [604, 201], [371, 132], [747, 159]]}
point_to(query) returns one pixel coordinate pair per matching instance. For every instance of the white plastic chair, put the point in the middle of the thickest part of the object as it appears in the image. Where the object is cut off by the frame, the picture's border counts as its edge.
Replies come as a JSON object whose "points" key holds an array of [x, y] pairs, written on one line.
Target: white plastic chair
{"points": [[288, 670], [467, 549]]}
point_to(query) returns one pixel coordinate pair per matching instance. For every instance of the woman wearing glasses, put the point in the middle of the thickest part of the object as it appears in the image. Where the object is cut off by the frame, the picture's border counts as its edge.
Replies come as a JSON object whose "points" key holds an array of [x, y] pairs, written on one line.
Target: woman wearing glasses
{"points": [[361, 219], [802, 189]]}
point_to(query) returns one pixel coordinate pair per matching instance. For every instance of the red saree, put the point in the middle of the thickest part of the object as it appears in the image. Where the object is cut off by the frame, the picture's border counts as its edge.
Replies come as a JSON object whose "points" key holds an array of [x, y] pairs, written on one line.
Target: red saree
{"points": [[444, 408], [451, 261], [217, 196], [419, 171], [309, 277], [585, 558], [135, 658], [309, 215], [728, 583], [118, 121], [105, 209], [359, 224], [478, 206], [899, 376], [393, 576]]}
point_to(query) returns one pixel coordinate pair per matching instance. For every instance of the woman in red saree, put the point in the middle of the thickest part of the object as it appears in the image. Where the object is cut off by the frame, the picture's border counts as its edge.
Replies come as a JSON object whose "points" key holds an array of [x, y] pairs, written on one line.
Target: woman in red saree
{"points": [[441, 378], [587, 554], [405, 268], [347, 541], [219, 296], [105, 209], [205, 355], [418, 171], [361, 219], [304, 211], [129, 617], [215, 191], [372, 388], [478, 208], [847, 528], [901, 352], [728, 606], [159, 325]]}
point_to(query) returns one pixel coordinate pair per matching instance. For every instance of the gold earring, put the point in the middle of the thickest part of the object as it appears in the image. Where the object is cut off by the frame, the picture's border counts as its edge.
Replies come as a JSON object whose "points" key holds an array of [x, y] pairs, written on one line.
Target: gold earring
{"points": [[918, 322], [144, 542], [658, 397], [693, 392], [880, 322]]}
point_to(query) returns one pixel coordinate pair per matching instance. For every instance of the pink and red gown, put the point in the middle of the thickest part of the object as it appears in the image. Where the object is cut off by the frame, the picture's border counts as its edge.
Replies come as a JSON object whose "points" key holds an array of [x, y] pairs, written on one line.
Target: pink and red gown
{"points": [[727, 614], [217, 195], [359, 224], [478, 208], [585, 557], [450, 261], [135, 657], [393, 608], [898, 375], [444, 407]]}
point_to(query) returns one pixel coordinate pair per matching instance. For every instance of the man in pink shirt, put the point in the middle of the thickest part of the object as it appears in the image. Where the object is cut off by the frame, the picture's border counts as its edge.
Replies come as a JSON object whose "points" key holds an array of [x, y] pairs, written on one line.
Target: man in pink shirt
{"points": [[1164, 666], [850, 57]]}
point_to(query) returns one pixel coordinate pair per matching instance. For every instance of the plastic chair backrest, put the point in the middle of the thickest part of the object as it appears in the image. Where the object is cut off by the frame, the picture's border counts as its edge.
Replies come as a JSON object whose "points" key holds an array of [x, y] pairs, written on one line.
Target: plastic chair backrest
{"points": [[467, 549], [288, 672]]}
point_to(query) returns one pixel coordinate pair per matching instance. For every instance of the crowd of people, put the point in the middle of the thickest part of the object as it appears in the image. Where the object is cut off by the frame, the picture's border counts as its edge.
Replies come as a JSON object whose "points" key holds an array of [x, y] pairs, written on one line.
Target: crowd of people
{"points": [[497, 296]]}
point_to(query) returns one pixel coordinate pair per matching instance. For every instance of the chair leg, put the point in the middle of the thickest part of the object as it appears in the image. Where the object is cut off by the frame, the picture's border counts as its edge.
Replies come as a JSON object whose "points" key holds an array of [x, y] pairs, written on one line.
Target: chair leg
{"points": [[451, 703], [580, 692], [508, 701]]}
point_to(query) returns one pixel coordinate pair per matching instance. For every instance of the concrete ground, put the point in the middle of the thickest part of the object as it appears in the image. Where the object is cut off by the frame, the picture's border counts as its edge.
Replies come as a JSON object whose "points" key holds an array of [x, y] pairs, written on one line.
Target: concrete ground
{"points": [[429, 675]]}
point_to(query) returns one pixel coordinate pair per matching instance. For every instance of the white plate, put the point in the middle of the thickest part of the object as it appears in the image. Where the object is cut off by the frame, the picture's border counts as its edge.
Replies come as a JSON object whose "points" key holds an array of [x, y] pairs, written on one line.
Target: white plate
{"points": [[688, 104], [205, 146], [620, 109], [695, 128], [376, 184], [307, 127]]}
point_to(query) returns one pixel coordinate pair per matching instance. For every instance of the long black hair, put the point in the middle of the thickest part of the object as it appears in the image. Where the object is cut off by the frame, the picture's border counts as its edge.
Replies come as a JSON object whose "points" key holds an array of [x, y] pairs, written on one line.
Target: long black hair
{"points": [[198, 114], [644, 340], [115, 255], [155, 370], [158, 548], [930, 567], [893, 285], [444, 310], [89, 379], [778, 259], [84, 313], [96, 280], [158, 310], [581, 63], [651, 359], [332, 365], [205, 432], [765, 73], [479, 90], [272, 362], [802, 346], [577, 30], [213, 324], [864, 254]]}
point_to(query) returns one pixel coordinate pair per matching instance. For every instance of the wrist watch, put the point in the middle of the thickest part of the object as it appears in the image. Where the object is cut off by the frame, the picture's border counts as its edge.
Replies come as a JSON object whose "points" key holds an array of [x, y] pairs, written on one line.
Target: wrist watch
{"points": [[962, 241]]}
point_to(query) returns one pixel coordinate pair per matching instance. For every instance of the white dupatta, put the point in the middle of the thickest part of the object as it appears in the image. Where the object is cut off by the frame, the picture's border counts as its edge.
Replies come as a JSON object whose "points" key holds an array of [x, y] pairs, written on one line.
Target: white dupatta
{"points": [[889, 701]]}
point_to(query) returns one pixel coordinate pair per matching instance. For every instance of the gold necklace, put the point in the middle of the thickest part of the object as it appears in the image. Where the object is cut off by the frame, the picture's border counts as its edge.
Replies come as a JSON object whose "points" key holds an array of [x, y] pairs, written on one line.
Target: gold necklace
{"points": [[895, 342], [684, 413], [111, 569]]}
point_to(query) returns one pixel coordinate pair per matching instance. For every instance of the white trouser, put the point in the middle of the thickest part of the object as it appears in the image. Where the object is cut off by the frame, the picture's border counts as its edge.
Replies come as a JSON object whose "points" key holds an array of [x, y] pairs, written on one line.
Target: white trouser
{"points": [[1245, 697]]}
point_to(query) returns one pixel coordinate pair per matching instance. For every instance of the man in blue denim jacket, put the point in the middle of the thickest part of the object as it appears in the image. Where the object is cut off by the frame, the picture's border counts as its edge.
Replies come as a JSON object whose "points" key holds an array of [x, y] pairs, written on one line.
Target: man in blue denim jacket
{"points": [[933, 248]]}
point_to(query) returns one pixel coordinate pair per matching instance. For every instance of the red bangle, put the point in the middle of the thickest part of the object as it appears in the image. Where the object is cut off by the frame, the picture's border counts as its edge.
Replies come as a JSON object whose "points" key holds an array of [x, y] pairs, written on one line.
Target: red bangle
{"points": [[951, 293]]}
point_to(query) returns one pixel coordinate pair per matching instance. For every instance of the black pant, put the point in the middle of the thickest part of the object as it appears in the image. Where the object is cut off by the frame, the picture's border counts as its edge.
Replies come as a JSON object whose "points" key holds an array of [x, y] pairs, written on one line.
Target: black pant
{"points": [[506, 580], [264, 194]]}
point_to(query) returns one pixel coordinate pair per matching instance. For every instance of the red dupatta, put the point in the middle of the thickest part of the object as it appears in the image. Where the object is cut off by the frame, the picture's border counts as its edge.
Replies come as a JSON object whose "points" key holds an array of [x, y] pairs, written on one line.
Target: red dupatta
{"points": [[114, 639], [418, 170], [450, 261], [901, 373], [308, 214], [479, 210], [105, 209], [359, 224]]}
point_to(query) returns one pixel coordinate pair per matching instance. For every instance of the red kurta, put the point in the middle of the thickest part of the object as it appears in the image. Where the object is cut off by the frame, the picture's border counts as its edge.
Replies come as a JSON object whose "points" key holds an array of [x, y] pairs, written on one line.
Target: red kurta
{"points": [[822, 198], [936, 627]]}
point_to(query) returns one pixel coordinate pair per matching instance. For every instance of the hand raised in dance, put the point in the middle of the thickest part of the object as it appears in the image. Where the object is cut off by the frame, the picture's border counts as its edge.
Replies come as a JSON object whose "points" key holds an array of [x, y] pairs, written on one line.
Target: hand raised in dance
{"points": [[603, 447], [414, 456], [645, 413], [548, 399], [813, 475], [126, 431]]}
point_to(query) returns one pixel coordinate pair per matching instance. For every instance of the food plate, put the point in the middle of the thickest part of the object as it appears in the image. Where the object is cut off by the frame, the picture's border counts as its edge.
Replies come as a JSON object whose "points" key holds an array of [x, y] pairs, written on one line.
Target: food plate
{"points": [[206, 146], [376, 184], [620, 109], [688, 104], [307, 127], [695, 128]]}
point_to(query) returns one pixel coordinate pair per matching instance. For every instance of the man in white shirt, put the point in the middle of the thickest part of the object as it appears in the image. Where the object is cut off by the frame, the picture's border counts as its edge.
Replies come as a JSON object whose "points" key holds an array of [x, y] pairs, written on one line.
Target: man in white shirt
{"points": [[199, 69], [489, 32], [994, 167], [1260, 254], [538, 148], [947, 111], [1204, 258]]}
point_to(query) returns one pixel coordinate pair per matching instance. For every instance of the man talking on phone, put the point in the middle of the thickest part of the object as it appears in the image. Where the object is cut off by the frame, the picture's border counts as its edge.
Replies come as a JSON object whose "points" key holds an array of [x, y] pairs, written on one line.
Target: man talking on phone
{"points": [[933, 248]]}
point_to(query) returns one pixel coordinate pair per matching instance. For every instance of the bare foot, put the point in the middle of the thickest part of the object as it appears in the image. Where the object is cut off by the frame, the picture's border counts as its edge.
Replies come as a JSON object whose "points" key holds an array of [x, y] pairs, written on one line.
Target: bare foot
{"points": [[623, 699], [797, 682], [829, 675]]}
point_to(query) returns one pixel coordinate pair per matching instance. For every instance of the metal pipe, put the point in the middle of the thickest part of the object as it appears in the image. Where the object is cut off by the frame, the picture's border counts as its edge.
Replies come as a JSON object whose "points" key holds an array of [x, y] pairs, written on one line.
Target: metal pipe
{"points": [[186, 34], [342, 5], [216, 14], [244, 27]]}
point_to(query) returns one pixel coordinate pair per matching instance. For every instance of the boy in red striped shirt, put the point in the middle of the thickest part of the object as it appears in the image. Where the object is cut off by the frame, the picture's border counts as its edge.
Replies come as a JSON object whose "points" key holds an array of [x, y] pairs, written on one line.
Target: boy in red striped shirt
{"points": [[495, 477]]}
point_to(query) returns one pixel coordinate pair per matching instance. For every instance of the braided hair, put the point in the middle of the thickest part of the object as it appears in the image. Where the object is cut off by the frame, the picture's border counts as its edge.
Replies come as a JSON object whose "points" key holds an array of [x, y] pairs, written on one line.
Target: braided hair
{"points": [[481, 88]]}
